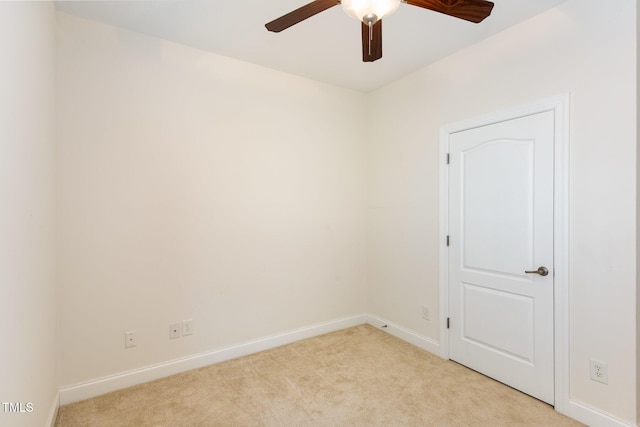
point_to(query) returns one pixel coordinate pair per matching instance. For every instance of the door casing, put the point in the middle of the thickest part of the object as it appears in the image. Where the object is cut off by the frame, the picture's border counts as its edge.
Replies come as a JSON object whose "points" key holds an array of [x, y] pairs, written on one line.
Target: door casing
{"points": [[560, 107]]}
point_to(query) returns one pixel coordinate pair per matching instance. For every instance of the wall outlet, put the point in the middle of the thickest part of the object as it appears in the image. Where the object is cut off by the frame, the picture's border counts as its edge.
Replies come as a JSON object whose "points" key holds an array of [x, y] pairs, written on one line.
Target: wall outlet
{"points": [[599, 371], [187, 327], [426, 313], [174, 330], [130, 339]]}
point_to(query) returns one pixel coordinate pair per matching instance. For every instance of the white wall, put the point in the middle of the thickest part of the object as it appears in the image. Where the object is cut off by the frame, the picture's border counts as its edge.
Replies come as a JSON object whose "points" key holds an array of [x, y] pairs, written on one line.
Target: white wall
{"points": [[196, 186], [637, 218], [27, 295], [581, 48]]}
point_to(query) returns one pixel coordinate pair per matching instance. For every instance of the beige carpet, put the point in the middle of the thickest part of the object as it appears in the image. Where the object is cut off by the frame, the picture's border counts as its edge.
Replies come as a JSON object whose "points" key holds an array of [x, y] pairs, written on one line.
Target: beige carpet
{"points": [[356, 377]]}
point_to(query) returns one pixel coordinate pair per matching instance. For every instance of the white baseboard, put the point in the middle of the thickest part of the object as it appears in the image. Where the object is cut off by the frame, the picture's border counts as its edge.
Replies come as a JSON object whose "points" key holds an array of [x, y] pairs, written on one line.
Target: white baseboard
{"points": [[97, 387], [53, 411], [405, 334], [591, 417], [89, 389]]}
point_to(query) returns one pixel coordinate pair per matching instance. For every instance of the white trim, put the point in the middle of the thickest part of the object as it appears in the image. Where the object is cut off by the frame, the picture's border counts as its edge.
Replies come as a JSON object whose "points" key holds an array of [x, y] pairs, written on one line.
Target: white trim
{"points": [[53, 410], [404, 334], [444, 232], [561, 254], [592, 417], [560, 106], [93, 388]]}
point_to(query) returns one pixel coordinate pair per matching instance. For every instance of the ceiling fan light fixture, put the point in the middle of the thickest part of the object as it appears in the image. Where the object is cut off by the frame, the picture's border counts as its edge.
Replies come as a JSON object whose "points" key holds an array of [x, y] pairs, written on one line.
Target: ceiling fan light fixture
{"points": [[365, 10], [371, 12]]}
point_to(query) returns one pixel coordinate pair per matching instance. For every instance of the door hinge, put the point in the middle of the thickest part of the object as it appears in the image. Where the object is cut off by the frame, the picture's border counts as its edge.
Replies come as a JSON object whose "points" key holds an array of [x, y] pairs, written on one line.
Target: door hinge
{"points": [[448, 158], [447, 323], [447, 240]]}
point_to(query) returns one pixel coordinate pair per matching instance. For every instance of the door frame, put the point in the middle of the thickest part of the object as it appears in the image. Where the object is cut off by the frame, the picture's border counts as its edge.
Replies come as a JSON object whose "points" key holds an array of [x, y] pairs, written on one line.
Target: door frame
{"points": [[560, 107]]}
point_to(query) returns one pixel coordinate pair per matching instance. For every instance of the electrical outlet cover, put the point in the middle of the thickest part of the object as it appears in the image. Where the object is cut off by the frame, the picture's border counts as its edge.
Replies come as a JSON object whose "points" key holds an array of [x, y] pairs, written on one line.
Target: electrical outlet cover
{"points": [[187, 327], [426, 313], [599, 371]]}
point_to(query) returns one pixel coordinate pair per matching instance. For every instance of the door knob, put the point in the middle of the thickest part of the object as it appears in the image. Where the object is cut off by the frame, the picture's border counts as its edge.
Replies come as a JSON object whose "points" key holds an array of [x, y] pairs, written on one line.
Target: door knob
{"points": [[541, 271]]}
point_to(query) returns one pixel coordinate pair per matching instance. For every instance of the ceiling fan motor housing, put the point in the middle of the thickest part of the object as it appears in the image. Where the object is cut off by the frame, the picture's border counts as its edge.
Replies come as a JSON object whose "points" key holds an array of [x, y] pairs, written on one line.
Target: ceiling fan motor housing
{"points": [[370, 19]]}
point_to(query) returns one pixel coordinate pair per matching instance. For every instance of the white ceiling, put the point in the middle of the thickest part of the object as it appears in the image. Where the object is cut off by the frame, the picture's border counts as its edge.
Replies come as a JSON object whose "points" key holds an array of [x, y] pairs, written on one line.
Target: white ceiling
{"points": [[326, 47]]}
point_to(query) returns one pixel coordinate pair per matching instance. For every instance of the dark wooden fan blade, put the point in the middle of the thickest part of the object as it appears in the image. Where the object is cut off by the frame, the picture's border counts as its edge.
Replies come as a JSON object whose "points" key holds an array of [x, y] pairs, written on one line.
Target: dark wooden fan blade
{"points": [[371, 42], [300, 14], [469, 10]]}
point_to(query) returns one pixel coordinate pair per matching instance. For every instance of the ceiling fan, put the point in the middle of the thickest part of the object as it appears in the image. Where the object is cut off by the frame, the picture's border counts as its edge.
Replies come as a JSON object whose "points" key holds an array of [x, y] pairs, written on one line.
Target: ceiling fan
{"points": [[371, 12]]}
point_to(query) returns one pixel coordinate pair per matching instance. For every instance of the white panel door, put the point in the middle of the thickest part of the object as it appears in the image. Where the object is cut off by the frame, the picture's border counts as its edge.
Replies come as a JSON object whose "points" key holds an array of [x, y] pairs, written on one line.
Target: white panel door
{"points": [[501, 225]]}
